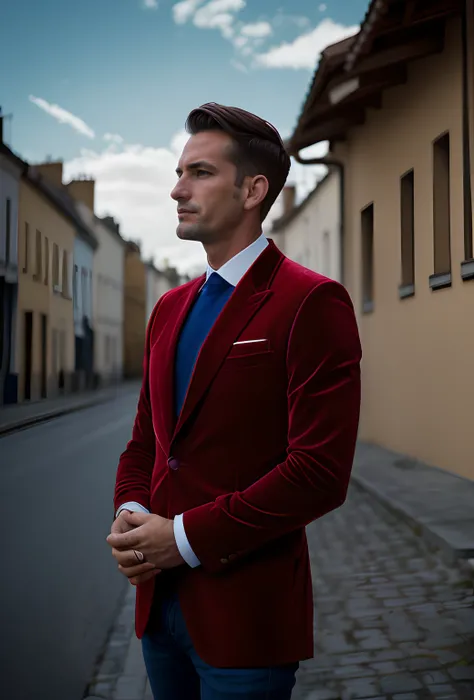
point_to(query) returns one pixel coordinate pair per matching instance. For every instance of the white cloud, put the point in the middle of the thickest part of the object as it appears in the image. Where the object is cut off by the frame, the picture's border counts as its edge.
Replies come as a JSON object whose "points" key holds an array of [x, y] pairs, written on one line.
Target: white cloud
{"points": [[113, 138], [219, 14], [256, 30], [322, 7], [151, 4], [304, 51], [216, 14], [63, 116], [183, 11], [133, 184]]}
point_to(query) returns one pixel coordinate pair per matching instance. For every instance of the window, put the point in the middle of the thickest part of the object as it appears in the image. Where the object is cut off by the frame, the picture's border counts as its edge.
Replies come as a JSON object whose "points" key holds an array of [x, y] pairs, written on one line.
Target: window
{"points": [[46, 260], [84, 290], [407, 222], [367, 232], [39, 257], [441, 214], [55, 266], [8, 229], [75, 284], [27, 247], [65, 284]]}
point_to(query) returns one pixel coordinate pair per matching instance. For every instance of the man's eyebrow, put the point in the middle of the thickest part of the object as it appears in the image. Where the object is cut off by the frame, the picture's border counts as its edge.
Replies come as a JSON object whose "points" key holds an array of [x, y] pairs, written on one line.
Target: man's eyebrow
{"points": [[198, 165]]}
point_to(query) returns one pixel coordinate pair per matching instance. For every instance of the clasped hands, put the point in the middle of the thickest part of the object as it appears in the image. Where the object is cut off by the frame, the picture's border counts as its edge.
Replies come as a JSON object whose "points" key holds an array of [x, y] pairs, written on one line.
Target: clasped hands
{"points": [[148, 534]]}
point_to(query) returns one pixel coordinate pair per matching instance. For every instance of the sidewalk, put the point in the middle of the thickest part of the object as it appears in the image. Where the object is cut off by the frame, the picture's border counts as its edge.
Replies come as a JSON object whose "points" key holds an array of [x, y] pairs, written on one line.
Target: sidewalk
{"points": [[437, 505], [394, 615], [18, 416]]}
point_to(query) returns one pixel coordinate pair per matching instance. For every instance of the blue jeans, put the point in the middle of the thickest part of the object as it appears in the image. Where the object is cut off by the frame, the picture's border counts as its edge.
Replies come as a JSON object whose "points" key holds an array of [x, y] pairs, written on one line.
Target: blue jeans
{"points": [[176, 672]]}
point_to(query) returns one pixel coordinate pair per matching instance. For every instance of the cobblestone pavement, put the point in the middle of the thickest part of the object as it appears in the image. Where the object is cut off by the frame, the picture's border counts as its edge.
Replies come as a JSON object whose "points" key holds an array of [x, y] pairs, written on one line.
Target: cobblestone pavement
{"points": [[392, 621]]}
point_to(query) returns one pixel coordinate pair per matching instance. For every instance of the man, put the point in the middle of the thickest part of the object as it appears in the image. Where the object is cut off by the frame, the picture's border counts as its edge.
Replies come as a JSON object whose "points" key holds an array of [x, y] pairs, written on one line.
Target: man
{"points": [[245, 433]]}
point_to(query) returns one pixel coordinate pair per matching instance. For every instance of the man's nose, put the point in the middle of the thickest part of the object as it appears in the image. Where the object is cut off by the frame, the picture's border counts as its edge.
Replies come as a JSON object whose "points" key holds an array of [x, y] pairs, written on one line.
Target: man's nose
{"points": [[180, 192]]}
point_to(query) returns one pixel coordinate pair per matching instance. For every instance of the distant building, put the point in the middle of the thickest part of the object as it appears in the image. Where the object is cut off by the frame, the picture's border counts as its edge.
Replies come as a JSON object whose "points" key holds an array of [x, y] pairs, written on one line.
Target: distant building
{"points": [[396, 103], [85, 244], [11, 168], [157, 283], [310, 232], [107, 285], [45, 347], [135, 311]]}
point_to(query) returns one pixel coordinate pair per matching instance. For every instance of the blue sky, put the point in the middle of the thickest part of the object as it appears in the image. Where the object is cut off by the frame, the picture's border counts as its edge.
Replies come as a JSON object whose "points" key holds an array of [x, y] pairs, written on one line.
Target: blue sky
{"points": [[131, 70]]}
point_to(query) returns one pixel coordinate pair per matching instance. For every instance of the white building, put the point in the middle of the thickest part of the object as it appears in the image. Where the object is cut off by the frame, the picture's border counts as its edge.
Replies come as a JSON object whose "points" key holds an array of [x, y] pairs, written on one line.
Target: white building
{"points": [[310, 232], [157, 283], [11, 168], [105, 284]]}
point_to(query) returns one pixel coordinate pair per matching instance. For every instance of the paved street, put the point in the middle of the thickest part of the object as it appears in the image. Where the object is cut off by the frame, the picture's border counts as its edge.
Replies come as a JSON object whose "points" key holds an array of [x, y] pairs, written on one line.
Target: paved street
{"points": [[60, 587], [392, 621]]}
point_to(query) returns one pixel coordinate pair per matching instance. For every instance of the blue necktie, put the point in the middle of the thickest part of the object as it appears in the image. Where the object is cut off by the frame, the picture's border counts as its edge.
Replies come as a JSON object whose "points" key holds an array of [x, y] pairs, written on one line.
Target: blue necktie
{"points": [[199, 322]]}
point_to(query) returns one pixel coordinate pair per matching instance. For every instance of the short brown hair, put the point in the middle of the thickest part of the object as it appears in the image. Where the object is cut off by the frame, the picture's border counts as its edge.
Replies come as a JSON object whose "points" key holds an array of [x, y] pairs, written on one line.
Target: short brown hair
{"points": [[259, 149]]}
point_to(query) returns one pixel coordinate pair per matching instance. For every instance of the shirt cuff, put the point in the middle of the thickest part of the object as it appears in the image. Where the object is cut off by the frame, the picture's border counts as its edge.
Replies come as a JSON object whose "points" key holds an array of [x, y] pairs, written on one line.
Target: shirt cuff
{"points": [[133, 506], [182, 543]]}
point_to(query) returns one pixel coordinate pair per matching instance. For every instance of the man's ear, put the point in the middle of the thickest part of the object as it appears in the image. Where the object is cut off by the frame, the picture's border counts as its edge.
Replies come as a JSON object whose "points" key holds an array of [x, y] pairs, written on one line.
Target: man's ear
{"points": [[256, 190]]}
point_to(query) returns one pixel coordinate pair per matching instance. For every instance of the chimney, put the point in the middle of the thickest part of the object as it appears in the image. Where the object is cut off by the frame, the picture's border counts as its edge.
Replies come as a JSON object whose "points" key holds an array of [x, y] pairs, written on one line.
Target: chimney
{"points": [[110, 221], [289, 198], [52, 172], [83, 191]]}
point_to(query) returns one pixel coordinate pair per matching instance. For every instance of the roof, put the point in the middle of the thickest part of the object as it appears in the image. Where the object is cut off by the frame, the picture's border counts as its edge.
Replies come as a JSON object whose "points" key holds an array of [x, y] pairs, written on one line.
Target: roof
{"points": [[353, 73], [16, 160], [287, 218], [63, 202], [112, 226]]}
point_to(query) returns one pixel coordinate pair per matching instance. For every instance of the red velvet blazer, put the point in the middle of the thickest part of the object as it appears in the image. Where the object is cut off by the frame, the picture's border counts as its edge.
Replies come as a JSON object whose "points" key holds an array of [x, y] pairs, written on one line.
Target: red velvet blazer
{"points": [[263, 446]]}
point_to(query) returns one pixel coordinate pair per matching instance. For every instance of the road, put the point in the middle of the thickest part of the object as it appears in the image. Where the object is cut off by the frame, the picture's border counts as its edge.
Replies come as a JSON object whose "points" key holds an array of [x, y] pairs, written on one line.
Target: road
{"points": [[60, 587]]}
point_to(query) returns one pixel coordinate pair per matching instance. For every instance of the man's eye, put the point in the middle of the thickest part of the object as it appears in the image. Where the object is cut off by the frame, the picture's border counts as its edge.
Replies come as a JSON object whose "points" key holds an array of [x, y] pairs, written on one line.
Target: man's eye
{"points": [[201, 173]]}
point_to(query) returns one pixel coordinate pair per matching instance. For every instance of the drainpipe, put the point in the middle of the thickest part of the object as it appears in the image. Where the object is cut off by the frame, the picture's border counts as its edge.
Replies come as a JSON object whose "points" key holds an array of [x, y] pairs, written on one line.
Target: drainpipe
{"points": [[332, 162]]}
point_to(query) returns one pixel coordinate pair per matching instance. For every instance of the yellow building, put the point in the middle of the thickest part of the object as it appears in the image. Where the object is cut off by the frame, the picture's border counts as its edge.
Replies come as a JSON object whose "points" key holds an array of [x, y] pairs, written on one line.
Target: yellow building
{"points": [[135, 310], [396, 105], [45, 343]]}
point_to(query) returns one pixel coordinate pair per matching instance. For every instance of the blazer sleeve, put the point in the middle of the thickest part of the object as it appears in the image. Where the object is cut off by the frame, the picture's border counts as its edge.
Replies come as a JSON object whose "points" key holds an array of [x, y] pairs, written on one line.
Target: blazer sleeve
{"points": [[324, 390], [136, 463]]}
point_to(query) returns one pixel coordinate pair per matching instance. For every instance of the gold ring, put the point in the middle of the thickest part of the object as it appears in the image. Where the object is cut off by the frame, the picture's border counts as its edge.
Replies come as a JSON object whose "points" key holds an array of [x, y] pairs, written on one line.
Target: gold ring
{"points": [[140, 556]]}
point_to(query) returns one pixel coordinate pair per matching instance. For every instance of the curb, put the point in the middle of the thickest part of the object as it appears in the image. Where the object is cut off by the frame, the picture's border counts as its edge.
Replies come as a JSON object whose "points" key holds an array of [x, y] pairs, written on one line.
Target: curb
{"points": [[450, 552], [49, 415]]}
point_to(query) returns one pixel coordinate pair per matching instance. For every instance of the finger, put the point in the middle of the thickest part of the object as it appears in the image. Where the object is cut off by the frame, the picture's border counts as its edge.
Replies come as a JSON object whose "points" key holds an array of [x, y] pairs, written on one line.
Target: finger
{"points": [[144, 577], [131, 571], [136, 519], [126, 558], [125, 540]]}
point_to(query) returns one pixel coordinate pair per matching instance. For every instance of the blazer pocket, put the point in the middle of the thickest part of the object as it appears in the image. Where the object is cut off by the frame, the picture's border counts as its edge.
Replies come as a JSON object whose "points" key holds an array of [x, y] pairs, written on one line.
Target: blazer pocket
{"points": [[248, 354]]}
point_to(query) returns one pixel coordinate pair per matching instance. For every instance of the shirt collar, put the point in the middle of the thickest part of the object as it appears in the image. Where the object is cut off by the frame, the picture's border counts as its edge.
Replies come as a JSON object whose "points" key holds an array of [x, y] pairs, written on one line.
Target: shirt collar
{"points": [[235, 268]]}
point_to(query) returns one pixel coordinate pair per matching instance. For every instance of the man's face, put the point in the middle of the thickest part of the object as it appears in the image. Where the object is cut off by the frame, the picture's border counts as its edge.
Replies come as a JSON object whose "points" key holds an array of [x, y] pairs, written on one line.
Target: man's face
{"points": [[210, 205]]}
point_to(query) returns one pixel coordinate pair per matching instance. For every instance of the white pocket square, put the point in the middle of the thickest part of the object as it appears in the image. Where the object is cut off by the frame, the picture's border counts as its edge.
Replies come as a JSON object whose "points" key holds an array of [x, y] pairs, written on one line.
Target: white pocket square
{"points": [[245, 342]]}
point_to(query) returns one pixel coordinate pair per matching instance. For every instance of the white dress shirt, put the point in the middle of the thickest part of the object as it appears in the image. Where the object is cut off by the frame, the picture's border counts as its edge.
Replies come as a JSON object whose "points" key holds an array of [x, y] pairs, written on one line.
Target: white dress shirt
{"points": [[233, 271]]}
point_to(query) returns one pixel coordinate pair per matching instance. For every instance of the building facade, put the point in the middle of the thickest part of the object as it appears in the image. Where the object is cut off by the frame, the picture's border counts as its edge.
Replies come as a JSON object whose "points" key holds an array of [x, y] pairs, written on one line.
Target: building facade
{"points": [[45, 336], [157, 283], [11, 169], [310, 232], [405, 137], [135, 311], [85, 245], [107, 289]]}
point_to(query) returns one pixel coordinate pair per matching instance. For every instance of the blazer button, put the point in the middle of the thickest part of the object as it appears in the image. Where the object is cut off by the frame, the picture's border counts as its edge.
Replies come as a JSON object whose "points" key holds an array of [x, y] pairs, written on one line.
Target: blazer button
{"points": [[224, 561], [173, 463]]}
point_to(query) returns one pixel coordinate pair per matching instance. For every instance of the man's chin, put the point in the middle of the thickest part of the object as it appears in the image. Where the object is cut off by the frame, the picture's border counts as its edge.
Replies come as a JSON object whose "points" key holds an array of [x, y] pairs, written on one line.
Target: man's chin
{"points": [[188, 232]]}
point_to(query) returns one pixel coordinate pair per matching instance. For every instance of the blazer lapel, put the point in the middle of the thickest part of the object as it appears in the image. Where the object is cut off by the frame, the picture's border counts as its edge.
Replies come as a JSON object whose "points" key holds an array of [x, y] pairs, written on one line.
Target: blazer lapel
{"points": [[164, 367], [248, 297]]}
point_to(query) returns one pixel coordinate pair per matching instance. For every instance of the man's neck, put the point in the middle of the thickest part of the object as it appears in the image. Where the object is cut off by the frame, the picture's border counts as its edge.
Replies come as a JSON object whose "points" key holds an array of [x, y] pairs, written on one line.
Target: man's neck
{"points": [[220, 253]]}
